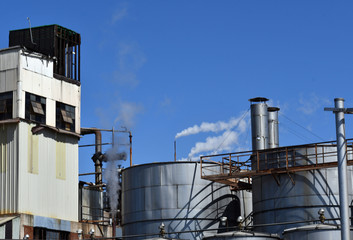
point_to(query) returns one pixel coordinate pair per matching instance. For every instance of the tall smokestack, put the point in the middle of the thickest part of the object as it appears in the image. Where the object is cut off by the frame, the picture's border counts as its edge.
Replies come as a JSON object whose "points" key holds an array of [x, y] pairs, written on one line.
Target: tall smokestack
{"points": [[259, 123], [273, 136]]}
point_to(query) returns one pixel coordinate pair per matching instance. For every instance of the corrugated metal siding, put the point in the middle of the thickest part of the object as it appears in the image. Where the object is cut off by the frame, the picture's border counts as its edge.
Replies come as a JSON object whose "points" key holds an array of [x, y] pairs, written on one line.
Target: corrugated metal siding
{"points": [[8, 169], [44, 194], [9, 59], [8, 79]]}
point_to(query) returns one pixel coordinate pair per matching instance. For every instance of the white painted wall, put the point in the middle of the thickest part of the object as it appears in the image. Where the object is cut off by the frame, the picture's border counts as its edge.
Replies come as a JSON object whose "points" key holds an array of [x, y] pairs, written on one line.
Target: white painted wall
{"points": [[30, 72], [50, 189]]}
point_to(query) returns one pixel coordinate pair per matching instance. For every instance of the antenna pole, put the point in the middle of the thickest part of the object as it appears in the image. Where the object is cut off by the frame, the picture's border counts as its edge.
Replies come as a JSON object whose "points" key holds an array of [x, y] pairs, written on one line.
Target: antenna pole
{"points": [[174, 150], [30, 30]]}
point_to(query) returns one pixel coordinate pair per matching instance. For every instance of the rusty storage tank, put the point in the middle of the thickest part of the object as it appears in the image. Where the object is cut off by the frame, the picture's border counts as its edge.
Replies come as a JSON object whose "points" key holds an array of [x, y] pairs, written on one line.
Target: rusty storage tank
{"points": [[243, 235], [297, 196], [173, 193], [314, 232]]}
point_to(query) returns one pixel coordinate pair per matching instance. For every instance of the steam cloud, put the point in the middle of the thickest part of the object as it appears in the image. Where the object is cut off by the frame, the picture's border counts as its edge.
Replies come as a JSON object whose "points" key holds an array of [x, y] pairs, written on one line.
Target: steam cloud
{"points": [[113, 187], [216, 144], [209, 127], [111, 176]]}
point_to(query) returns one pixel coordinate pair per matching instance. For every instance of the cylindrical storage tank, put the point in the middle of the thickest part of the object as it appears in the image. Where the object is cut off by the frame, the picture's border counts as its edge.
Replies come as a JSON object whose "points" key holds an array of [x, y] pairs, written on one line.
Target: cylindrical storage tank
{"points": [[273, 136], [297, 197], [242, 235], [314, 232], [175, 194], [259, 123]]}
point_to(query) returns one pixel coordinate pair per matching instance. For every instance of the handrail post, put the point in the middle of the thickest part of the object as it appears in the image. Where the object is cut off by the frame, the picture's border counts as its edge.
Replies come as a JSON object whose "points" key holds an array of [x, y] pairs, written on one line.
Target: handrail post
{"points": [[286, 158], [230, 164], [201, 166], [316, 153]]}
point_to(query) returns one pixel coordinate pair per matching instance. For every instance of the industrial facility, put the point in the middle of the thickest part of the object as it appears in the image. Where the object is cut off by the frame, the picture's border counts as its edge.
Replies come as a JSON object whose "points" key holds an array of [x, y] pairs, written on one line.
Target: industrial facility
{"points": [[271, 192]]}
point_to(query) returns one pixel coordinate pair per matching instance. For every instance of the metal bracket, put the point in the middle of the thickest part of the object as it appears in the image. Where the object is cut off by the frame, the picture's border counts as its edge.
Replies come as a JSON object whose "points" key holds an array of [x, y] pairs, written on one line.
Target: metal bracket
{"points": [[276, 179], [291, 178], [344, 110]]}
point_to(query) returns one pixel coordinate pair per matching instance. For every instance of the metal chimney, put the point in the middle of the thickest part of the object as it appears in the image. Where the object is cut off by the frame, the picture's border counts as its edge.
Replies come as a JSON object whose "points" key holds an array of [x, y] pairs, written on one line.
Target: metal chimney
{"points": [[273, 136], [259, 123]]}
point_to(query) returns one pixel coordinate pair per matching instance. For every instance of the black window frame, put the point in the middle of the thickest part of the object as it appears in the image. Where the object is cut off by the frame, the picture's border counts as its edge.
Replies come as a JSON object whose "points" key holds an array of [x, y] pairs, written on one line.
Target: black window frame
{"points": [[65, 116], [35, 108], [6, 105]]}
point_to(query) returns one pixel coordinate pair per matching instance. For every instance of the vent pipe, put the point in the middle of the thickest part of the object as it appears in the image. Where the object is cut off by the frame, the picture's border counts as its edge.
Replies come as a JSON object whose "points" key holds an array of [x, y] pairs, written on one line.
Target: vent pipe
{"points": [[97, 157], [273, 136], [259, 123]]}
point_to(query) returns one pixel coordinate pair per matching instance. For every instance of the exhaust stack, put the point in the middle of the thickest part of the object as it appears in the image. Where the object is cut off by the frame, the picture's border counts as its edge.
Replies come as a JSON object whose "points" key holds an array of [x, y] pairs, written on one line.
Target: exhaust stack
{"points": [[259, 123], [273, 136]]}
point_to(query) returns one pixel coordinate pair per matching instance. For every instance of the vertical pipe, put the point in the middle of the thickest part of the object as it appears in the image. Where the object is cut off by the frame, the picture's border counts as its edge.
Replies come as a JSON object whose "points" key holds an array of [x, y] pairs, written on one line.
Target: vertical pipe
{"points": [[130, 136], [259, 123], [174, 150], [98, 149], [273, 136], [98, 164], [19, 105], [342, 168], [114, 225], [113, 138]]}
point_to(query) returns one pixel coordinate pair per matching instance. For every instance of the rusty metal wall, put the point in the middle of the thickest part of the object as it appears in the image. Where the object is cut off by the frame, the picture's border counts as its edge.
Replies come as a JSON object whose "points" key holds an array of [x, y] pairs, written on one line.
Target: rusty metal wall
{"points": [[175, 194]]}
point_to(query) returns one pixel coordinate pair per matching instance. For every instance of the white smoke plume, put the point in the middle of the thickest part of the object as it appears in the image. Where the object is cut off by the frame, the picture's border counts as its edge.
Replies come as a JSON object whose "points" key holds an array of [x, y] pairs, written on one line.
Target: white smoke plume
{"points": [[216, 144], [227, 141], [209, 127], [114, 158], [111, 176], [127, 114]]}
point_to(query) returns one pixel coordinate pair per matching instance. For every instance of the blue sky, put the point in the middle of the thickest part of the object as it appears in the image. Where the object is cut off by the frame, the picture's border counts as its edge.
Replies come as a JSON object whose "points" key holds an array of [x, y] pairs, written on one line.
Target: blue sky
{"points": [[159, 67]]}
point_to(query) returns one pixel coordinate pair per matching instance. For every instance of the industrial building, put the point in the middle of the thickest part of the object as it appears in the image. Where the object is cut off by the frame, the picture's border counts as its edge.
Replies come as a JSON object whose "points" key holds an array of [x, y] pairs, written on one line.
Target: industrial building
{"points": [[40, 101], [271, 192]]}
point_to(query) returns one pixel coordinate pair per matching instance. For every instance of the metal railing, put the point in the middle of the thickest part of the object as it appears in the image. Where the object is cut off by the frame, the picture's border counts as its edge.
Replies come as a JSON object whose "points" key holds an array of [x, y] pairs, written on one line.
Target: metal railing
{"points": [[237, 169], [94, 215]]}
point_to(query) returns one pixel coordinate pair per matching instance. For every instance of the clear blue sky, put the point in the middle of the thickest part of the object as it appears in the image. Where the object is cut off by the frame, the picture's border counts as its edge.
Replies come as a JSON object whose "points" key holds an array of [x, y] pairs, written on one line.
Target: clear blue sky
{"points": [[159, 67]]}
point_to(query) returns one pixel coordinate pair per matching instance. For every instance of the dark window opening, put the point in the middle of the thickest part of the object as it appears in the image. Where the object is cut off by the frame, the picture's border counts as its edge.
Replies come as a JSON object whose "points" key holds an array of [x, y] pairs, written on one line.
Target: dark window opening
{"points": [[6, 100], [8, 230], [43, 233], [35, 108], [65, 117]]}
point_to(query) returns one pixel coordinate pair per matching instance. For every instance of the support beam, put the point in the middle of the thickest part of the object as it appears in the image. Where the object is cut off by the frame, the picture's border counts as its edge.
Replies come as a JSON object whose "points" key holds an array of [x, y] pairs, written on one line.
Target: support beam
{"points": [[342, 167]]}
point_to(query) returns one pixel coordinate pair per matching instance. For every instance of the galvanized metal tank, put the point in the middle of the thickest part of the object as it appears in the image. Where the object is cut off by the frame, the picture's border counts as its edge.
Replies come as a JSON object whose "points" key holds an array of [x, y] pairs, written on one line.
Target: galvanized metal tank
{"points": [[242, 235], [314, 232], [292, 197], [175, 194]]}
